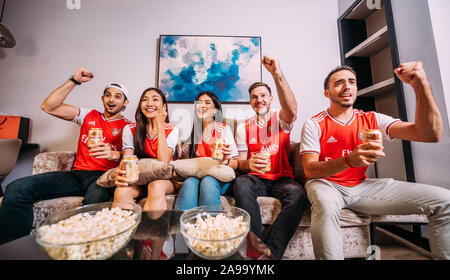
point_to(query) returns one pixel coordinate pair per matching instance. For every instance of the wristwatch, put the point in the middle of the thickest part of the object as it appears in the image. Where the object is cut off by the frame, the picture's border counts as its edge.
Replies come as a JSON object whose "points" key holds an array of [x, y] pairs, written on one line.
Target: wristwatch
{"points": [[75, 81]]}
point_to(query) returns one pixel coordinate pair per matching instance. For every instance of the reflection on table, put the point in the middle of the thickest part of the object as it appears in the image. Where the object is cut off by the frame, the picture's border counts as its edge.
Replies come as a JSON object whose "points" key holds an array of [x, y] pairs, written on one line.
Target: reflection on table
{"points": [[158, 237]]}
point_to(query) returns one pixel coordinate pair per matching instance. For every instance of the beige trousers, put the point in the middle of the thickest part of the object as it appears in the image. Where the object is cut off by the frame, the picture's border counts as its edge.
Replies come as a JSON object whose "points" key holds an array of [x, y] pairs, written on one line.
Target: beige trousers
{"points": [[376, 197]]}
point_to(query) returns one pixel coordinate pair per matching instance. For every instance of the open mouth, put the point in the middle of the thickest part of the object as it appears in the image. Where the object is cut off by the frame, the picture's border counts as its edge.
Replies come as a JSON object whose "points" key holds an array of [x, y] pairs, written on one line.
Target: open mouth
{"points": [[111, 106], [150, 110]]}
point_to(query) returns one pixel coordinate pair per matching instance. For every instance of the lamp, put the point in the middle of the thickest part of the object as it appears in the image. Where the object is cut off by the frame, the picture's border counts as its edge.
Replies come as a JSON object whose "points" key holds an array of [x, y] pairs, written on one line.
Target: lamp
{"points": [[6, 38]]}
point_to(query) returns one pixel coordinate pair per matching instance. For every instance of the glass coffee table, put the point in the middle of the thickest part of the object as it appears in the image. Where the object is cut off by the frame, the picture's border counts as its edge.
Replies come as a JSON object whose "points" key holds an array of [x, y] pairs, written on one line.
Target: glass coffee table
{"points": [[157, 237]]}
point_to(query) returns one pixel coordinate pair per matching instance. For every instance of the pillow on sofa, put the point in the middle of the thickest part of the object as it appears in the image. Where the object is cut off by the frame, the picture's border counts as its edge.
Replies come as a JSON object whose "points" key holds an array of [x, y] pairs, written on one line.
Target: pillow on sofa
{"points": [[149, 170], [201, 167]]}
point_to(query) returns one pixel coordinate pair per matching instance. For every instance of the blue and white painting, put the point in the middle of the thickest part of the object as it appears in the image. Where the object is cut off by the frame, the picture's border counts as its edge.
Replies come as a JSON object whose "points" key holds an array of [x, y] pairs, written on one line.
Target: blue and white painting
{"points": [[226, 66]]}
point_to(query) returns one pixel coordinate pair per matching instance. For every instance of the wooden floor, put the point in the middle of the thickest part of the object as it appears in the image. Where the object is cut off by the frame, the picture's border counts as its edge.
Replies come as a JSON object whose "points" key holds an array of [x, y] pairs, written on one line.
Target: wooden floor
{"points": [[393, 247]]}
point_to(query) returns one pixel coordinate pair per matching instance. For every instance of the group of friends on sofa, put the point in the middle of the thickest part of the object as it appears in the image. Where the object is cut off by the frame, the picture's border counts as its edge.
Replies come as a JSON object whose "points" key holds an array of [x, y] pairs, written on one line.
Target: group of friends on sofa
{"points": [[334, 159]]}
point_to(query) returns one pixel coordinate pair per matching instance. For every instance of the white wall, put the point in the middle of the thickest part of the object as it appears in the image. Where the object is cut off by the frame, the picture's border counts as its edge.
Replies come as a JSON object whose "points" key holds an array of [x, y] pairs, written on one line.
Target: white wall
{"points": [[117, 40], [440, 20]]}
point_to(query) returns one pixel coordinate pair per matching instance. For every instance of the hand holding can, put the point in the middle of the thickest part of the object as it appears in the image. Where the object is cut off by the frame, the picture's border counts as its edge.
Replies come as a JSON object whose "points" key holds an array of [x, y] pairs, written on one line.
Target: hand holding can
{"points": [[130, 165], [95, 135], [217, 149], [265, 154], [372, 135]]}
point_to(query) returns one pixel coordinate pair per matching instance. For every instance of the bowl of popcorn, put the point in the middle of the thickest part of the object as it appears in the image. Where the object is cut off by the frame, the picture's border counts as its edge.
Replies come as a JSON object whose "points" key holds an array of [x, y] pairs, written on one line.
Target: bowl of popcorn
{"points": [[214, 233], [91, 232]]}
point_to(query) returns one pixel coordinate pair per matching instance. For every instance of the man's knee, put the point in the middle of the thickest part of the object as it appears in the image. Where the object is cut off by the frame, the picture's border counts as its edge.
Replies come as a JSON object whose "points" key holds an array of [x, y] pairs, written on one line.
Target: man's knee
{"points": [[244, 187], [324, 203], [19, 189]]}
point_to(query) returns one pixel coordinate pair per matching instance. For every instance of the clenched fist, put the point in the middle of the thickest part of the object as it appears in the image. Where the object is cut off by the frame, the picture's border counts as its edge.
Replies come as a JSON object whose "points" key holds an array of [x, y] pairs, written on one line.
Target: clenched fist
{"points": [[82, 75], [271, 64], [411, 73]]}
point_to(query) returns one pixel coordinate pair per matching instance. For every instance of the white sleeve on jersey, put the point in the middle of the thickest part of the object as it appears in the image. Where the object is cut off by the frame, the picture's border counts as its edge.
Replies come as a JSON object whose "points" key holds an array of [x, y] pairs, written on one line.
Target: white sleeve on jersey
{"points": [[286, 127], [229, 139], [127, 138], [241, 138], [82, 112], [310, 141], [172, 139], [385, 123]]}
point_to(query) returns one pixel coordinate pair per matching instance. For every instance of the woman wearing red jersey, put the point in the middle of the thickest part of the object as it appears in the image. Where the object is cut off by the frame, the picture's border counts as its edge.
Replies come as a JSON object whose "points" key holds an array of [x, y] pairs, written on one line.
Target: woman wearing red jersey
{"points": [[207, 128], [152, 137]]}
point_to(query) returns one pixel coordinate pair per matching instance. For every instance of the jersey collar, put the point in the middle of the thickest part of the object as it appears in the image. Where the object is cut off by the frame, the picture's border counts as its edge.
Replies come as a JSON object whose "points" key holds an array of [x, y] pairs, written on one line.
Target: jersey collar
{"points": [[341, 123]]}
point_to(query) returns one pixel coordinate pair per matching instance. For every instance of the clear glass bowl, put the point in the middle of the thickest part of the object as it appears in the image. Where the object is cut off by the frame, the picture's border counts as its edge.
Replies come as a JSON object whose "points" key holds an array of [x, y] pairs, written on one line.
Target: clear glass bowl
{"points": [[214, 233], [107, 232]]}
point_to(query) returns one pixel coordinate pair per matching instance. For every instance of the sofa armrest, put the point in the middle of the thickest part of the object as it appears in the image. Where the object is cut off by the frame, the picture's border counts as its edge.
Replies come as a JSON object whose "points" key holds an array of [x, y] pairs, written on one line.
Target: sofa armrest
{"points": [[53, 161]]}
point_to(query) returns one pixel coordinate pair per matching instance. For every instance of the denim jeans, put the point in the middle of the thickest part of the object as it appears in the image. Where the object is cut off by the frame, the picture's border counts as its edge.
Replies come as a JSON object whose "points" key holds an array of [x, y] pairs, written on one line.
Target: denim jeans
{"points": [[293, 200], [16, 211], [199, 192]]}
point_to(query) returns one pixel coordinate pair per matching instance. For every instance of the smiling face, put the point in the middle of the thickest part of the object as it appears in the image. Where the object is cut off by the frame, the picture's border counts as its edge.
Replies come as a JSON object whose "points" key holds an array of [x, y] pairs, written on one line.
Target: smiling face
{"points": [[205, 108], [342, 89], [151, 102], [261, 99], [113, 101]]}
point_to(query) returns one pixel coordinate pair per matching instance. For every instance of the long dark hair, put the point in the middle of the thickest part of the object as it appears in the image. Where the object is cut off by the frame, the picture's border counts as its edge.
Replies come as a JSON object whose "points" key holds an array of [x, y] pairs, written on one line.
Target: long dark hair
{"points": [[141, 124], [197, 127]]}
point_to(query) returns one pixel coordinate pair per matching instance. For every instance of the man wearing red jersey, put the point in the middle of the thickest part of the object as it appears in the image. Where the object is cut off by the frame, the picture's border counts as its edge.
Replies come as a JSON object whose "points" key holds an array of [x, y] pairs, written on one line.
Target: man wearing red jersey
{"points": [[269, 131], [16, 212], [335, 162]]}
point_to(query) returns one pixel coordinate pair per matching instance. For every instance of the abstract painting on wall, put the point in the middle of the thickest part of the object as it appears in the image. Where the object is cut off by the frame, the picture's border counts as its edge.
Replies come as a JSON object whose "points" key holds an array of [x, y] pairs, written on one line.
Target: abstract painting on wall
{"points": [[224, 65]]}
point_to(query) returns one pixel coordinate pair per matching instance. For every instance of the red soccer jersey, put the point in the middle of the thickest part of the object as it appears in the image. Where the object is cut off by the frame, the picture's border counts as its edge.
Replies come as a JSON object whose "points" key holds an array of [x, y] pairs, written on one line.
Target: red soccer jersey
{"points": [[112, 135], [204, 148], [333, 139], [273, 136], [151, 142]]}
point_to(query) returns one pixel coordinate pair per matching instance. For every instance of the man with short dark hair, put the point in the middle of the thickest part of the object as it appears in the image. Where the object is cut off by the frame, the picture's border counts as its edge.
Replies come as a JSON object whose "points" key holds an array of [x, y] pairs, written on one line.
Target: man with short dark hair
{"points": [[16, 211], [270, 175], [335, 161]]}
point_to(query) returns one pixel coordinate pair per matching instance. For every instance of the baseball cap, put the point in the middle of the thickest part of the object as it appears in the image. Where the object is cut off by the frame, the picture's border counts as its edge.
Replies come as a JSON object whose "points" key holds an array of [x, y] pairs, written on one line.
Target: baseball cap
{"points": [[118, 86]]}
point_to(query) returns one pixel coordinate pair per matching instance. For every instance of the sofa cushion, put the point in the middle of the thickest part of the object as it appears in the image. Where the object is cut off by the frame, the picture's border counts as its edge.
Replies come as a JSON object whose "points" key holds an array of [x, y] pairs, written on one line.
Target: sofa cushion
{"points": [[44, 208], [409, 219], [149, 170], [270, 207], [53, 161]]}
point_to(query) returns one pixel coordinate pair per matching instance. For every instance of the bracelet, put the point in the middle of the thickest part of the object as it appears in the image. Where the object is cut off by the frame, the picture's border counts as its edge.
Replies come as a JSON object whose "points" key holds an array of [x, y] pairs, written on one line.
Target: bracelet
{"points": [[74, 81], [346, 161]]}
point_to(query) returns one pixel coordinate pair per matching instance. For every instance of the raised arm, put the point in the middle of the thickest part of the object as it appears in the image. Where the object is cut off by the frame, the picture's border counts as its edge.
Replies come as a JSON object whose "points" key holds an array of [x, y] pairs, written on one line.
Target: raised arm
{"points": [[427, 126], [288, 112], [54, 103]]}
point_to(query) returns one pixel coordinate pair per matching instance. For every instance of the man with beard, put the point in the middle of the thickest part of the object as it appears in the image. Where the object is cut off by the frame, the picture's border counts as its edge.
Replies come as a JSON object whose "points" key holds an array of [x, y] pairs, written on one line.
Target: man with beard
{"points": [[335, 161], [16, 212], [271, 175]]}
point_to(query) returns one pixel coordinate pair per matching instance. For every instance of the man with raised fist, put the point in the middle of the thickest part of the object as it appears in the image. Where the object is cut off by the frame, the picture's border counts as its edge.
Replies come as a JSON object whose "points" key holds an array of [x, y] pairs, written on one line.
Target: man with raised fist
{"points": [[16, 211], [263, 144], [335, 160]]}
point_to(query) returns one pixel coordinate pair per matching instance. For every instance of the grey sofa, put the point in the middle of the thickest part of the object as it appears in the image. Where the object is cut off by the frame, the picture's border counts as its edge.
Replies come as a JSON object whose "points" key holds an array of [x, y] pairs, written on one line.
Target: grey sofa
{"points": [[355, 226]]}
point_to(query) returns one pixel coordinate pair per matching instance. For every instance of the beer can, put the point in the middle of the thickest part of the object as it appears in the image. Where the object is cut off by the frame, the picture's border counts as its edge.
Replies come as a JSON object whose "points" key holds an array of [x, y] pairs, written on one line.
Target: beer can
{"points": [[217, 149], [130, 165], [266, 155], [95, 136], [371, 135]]}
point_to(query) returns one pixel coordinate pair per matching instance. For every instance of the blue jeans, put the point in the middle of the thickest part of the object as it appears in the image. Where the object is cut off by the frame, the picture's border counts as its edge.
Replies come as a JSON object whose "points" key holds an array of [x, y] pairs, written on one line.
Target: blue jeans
{"points": [[199, 192]]}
